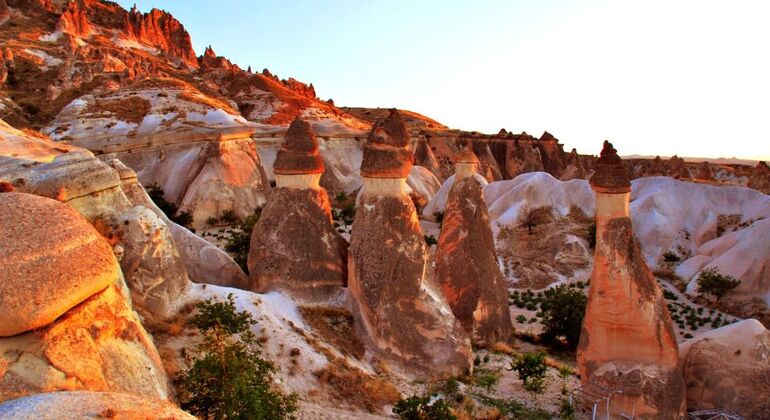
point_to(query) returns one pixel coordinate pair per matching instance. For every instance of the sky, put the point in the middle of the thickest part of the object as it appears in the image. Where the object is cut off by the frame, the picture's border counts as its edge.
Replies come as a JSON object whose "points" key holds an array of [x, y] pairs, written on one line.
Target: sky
{"points": [[655, 77]]}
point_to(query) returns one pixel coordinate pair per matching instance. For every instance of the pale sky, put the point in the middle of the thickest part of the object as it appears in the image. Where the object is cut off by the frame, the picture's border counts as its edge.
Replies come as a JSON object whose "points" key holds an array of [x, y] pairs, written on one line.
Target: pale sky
{"points": [[686, 77]]}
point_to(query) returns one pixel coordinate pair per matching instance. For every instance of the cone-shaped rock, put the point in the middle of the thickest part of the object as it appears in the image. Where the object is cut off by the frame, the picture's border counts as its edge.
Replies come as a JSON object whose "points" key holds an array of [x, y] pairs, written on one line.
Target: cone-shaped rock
{"points": [[466, 262], [627, 342], [401, 314], [423, 156], [294, 246], [387, 153], [299, 152]]}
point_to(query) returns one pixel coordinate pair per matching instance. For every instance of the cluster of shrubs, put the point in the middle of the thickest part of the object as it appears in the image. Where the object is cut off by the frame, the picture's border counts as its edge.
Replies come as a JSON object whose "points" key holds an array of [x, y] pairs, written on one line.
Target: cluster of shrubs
{"points": [[169, 209], [560, 309], [692, 318]]}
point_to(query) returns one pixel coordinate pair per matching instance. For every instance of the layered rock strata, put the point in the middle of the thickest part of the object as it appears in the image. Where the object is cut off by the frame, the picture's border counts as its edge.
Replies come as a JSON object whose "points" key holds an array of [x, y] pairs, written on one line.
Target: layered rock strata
{"points": [[400, 312], [466, 261], [294, 246], [627, 343]]}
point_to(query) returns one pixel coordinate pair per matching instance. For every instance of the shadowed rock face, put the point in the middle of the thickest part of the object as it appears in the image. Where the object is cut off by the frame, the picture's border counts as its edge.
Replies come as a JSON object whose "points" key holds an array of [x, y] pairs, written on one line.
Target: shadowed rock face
{"points": [[401, 315], [423, 156], [387, 152], [627, 342], [467, 268], [295, 248], [729, 368]]}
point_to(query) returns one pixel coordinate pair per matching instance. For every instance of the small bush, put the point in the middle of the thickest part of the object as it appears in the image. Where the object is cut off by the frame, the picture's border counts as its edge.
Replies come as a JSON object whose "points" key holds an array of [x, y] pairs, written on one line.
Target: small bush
{"points": [[487, 379], [341, 197], [521, 319], [711, 281], [230, 379], [671, 257], [168, 208], [439, 216], [430, 240], [421, 408], [670, 295], [531, 368], [228, 217], [563, 311], [211, 221], [240, 240]]}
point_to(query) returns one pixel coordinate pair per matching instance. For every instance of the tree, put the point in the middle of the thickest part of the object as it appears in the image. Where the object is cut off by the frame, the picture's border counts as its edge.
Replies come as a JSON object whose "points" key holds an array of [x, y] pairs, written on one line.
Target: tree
{"points": [[239, 242], [536, 216], [421, 408], [711, 281], [531, 369], [563, 311], [230, 379]]}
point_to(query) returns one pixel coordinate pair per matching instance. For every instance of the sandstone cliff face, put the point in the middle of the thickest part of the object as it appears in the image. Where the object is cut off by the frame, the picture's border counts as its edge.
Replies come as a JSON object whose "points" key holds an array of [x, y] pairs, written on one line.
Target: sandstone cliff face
{"points": [[400, 313], [521, 157], [466, 266], [295, 248], [84, 333], [729, 368]]}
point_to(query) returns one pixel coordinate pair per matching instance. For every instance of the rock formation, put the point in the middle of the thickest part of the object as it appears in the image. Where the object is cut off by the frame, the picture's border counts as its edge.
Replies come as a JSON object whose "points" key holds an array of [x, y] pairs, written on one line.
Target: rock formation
{"points": [[466, 262], [400, 313], [488, 166], [67, 321], [729, 368], [522, 157], [627, 343], [423, 156], [77, 405], [294, 246]]}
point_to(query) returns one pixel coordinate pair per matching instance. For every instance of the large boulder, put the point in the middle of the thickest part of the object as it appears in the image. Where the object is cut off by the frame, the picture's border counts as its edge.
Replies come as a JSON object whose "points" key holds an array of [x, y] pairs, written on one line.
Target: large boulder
{"points": [[67, 317], [729, 368], [76, 405], [466, 263]]}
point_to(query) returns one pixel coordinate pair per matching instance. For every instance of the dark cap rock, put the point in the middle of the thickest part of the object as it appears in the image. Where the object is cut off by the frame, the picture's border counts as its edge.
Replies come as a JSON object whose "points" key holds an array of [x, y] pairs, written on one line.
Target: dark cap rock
{"points": [[299, 152], [610, 174], [387, 153]]}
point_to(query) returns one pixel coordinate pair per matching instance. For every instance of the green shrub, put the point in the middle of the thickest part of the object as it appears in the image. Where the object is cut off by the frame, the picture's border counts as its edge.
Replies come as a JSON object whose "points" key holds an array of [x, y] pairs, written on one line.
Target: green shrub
{"points": [[341, 197], [670, 295], [563, 310], [566, 410], [487, 378], [712, 282], [521, 319], [228, 217], [230, 379], [671, 257], [240, 240], [421, 408], [439, 216], [430, 240], [211, 221], [531, 369]]}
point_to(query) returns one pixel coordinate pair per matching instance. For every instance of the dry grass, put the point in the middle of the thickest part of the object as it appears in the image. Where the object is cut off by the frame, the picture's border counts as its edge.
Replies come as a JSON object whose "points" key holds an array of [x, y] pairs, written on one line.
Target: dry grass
{"points": [[500, 347], [357, 388], [336, 326]]}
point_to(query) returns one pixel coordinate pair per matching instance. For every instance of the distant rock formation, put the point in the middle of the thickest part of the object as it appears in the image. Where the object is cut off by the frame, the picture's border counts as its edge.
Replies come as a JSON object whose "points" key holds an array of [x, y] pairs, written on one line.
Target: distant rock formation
{"points": [[488, 166], [522, 157], [729, 368], [159, 29], [294, 246], [423, 156], [760, 178], [627, 342], [67, 319], [401, 314], [466, 262]]}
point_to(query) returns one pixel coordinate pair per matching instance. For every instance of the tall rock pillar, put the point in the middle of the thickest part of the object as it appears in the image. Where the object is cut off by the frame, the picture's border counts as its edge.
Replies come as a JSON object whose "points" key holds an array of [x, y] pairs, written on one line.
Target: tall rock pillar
{"points": [[294, 246], [466, 261], [401, 314], [627, 343]]}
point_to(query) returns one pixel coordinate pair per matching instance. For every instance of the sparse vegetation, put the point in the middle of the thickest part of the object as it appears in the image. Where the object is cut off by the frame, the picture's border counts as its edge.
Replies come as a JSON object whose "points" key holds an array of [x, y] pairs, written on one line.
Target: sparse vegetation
{"points": [[439, 217], [240, 240], [228, 217], [421, 408], [531, 368], [168, 208], [563, 310], [230, 379], [430, 240], [712, 282], [671, 257]]}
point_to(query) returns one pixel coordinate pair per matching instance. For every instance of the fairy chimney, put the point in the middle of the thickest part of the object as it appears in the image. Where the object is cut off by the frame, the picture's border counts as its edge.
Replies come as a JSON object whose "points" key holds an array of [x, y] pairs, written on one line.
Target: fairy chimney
{"points": [[400, 312], [627, 343], [466, 261], [294, 246]]}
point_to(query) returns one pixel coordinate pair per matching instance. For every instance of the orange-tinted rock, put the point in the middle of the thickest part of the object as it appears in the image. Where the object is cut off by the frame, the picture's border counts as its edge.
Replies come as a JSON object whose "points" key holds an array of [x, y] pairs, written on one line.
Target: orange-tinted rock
{"points": [[387, 152], [423, 156], [401, 315], [73, 21], [51, 259], [159, 29], [521, 157], [627, 342], [295, 248], [299, 151], [466, 265]]}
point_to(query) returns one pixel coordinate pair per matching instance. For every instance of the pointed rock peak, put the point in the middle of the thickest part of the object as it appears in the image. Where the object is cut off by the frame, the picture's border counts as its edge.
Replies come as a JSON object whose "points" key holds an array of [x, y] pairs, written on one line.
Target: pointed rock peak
{"points": [[466, 155], [387, 153], [299, 151], [610, 174], [209, 52], [574, 151], [547, 137], [763, 165], [502, 132]]}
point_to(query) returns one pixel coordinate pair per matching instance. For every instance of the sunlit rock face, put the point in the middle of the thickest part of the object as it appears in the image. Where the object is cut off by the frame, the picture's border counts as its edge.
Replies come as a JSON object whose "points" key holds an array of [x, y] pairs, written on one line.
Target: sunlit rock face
{"points": [[67, 320], [294, 246], [76, 405], [729, 368], [627, 342], [401, 314], [466, 263]]}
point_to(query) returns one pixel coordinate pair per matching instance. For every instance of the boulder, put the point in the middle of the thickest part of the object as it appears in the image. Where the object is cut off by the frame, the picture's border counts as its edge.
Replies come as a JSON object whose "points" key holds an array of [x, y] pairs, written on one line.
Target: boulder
{"points": [[729, 368], [76, 405]]}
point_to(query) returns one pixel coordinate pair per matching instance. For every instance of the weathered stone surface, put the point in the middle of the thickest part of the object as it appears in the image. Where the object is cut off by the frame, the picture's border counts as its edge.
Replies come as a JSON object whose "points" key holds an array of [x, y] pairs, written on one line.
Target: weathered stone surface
{"points": [[729, 368], [401, 314], [610, 174], [51, 259], [299, 152], [423, 156], [153, 267], [77, 405], [387, 152], [466, 265], [295, 248]]}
